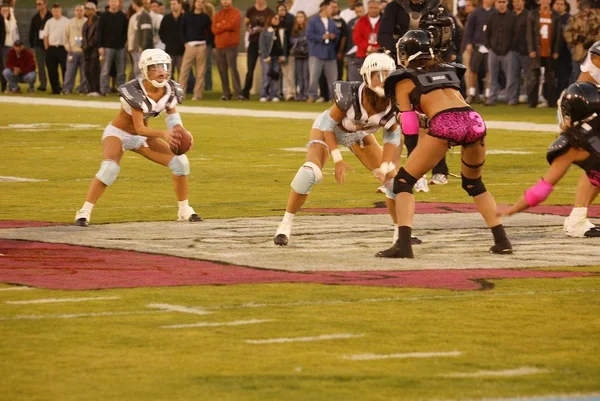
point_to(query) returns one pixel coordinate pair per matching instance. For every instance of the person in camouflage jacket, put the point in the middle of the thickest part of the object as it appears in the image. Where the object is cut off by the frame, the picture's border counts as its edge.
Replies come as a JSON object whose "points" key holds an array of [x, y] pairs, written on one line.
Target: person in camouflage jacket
{"points": [[581, 32]]}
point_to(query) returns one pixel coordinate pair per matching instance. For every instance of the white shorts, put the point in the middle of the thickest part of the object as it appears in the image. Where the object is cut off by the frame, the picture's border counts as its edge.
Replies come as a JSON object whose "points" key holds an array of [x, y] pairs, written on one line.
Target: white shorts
{"points": [[342, 137], [130, 142]]}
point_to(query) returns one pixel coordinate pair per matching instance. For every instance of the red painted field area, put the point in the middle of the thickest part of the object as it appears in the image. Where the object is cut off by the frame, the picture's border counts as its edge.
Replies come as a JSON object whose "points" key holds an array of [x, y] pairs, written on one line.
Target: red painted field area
{"points": [[68, 267]]}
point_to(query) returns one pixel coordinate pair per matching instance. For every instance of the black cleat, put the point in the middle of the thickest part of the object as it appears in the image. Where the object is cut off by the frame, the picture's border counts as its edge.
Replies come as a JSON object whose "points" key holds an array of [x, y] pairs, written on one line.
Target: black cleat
{"points": [[194, 218], [592, 232], [81, 222], [502, 247], [398, 250], [415, 241], [281, 240]]}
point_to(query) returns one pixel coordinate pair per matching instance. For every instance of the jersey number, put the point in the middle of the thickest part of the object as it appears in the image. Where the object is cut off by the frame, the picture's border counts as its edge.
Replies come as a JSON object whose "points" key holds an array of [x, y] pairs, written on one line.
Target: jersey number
{"points": [[545, 31]]}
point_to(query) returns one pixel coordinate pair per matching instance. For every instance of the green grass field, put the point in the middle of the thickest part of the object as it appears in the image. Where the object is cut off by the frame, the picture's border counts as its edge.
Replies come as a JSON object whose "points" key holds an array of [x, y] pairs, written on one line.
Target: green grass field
{"points": [[538, 337]]}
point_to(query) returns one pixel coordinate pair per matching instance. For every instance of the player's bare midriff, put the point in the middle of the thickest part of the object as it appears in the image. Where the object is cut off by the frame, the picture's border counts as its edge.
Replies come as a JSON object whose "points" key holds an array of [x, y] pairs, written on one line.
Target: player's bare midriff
{"points": [[439, 100]]}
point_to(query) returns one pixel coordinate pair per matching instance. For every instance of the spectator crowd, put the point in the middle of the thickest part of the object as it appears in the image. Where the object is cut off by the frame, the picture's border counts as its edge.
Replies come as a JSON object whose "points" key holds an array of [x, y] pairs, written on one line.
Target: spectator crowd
{"points": [[518, 50]]}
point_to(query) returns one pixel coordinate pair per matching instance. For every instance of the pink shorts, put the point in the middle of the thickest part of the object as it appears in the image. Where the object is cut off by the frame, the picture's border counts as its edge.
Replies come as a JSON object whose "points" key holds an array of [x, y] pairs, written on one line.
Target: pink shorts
{"points": [[461, 126]]}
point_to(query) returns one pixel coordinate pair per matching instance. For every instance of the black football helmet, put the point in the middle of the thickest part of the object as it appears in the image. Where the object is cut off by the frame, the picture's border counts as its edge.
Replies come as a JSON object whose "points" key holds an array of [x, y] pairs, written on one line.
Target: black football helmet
{"points": [[414, 45], [578, 103]]}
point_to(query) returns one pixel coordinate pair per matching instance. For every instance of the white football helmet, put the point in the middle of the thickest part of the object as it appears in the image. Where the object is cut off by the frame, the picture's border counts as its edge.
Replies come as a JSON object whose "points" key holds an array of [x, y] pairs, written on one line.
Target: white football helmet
{"points": [[377, 62], [155, 57]]}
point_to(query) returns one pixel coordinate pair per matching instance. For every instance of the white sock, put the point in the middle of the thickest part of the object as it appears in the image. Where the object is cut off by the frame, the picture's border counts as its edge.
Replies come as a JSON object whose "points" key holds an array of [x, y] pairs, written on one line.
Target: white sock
{"points": [[578, 213], [288, 218], [487, 92], [183, 205], [472, 92], [88, 206]]}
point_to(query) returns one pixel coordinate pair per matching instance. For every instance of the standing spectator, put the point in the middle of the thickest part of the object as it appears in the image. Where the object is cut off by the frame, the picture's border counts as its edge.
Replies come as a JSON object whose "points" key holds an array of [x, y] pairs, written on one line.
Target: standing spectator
{"points": [[91, 58], [9, 33], [73, 41], [132, 16], [286, 25], [20, 67], [170, 35], [321, 33], [475, 46], [272, 56], [524, 68], [342, 39], [36, 40], [582, 30], [365, 33], [3, 55], [563, 65], [348, 14], [112, 35], [54, 42], [143, 38], [463, 16], [196, 33], [544, 37], [300, 52], [500, 40], [226, 27], [255, 21], [208, 82], [353, 72], [152, 7]]}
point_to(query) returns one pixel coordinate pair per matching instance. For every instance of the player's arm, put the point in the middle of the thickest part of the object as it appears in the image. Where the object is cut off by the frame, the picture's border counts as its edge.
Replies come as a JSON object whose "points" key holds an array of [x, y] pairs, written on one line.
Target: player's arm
{"points": [[330, 120], [141, 128], [174, 122], [392, 143], [408, 118]]}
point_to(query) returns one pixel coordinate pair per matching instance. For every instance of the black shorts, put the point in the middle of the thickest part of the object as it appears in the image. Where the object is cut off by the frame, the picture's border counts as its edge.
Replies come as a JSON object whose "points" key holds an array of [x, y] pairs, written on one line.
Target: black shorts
{"points": [[479, 61]]}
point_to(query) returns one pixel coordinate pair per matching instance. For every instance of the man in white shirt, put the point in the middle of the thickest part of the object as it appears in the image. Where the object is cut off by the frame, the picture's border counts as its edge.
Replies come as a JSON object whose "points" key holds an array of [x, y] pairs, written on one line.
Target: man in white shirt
{"points": [[54, 42], [73, 41]]}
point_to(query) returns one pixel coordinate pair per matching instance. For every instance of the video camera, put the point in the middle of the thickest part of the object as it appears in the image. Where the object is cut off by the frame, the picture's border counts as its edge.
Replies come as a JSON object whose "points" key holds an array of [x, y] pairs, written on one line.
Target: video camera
{"points": [[440, 26]]}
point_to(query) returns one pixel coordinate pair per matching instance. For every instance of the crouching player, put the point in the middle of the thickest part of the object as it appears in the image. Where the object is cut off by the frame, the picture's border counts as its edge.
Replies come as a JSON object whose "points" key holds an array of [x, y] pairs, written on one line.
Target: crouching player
{"points": [[142, 99], [359, 111], [579, 144]]}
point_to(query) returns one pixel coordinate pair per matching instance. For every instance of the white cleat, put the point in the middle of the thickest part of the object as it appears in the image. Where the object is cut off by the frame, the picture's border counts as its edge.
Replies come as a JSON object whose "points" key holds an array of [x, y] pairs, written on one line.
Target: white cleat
{"points": [[421, 185], [188, 215], [282, 236], [82, 218], [438, 179], [579, 227]]}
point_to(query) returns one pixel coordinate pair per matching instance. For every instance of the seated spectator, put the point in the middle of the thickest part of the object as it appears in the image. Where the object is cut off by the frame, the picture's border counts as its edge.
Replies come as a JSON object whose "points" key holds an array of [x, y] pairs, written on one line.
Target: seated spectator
{"points": [[20, 67]]}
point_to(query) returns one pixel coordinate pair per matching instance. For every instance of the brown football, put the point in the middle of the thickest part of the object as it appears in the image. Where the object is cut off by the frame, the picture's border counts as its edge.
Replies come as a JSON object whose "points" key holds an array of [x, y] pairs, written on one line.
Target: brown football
{"points": [[185, 140]]}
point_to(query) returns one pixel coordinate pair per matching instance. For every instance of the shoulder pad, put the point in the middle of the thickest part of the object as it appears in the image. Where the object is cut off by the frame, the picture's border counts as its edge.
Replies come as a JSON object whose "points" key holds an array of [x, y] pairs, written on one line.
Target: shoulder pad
{"points": [[460, 69], [345, 93], [396, 76], [177, 91], [133, 94], [557, 148]]}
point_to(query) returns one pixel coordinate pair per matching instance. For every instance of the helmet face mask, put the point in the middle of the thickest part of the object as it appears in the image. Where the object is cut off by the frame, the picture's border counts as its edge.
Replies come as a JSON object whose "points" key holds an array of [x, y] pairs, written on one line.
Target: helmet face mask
{"points": [[155, 61], [377, 65]]}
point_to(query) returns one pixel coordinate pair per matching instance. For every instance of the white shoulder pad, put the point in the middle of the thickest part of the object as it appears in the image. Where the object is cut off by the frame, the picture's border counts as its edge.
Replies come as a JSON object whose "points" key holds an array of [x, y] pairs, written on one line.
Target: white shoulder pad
{"points": [[133, 94]]}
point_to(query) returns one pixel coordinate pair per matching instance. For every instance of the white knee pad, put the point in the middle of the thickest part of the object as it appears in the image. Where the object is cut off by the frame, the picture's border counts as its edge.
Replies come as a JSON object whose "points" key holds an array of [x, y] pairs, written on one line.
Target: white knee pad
{"points": [[180, 165], [109, 170], [307, 175]]}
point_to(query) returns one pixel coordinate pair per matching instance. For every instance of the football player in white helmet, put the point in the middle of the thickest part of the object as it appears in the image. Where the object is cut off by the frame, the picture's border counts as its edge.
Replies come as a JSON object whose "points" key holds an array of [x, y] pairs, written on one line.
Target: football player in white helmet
{"points": [[359, 110], [142, 99]]}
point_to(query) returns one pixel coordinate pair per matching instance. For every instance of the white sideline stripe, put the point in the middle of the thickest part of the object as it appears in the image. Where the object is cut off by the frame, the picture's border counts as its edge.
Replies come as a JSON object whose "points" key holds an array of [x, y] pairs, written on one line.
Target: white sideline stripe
{"points": [[396, 299], [19, 179], [217, 324], [223, 111], [523, 371], [76, 315], [180, 308], [304, 339], [374, 357], [57, 300], [16, 288]]}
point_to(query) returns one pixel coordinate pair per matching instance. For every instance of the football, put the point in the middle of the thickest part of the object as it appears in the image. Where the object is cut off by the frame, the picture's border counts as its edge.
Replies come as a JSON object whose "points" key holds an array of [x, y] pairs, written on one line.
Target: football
{"points": [[185, 140]]}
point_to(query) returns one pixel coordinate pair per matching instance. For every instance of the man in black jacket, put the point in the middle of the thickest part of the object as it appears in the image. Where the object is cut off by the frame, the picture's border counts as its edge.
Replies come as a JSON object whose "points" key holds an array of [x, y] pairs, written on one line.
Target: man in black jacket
{"points": [[2, 40], [170, 35], [112, 35], [36, 40], [521, 46], [89, 34]]}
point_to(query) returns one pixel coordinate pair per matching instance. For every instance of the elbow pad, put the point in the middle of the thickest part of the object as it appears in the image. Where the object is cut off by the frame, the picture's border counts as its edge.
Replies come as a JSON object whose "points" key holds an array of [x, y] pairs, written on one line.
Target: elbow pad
{"points": [[392, 137], [327, 123], [172, 120], [410, 122], [538, 193]]}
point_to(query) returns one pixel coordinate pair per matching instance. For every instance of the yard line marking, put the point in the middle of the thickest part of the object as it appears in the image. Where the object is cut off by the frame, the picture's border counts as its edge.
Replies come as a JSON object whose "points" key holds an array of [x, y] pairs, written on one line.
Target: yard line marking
{"points": [[304, 339], [16, 288], [492, 373], [374, 357], [552, 397], [224, 111], [396, 299], [57, 300], [19, 179], [217, 324], [180, 308], [76, 315]]}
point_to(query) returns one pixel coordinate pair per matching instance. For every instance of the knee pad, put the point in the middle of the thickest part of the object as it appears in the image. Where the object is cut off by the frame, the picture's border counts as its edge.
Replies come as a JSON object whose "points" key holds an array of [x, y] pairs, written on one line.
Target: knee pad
{"points": [[180, 165], [473, 186], [109, 170], [404, 182], [307, 175]]}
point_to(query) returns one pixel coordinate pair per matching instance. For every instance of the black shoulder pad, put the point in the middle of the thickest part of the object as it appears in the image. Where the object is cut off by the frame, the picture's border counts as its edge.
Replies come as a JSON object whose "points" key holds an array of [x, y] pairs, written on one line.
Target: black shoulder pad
{"points": [[177, 91], [133, 94], [345, 93], [558, 147], [396, 76], [460, 69]]}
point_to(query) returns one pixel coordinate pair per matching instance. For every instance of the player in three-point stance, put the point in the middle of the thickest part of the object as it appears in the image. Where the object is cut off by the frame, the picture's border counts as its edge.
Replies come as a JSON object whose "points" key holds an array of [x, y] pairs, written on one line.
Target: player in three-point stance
{"points": [[142, 99], [427, 83], [360, 109], [579, 144]]}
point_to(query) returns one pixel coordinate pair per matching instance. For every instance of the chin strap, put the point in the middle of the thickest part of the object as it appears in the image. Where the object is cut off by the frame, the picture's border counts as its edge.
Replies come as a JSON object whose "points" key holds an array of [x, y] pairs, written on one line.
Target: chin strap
{"points": [[157, 84]]}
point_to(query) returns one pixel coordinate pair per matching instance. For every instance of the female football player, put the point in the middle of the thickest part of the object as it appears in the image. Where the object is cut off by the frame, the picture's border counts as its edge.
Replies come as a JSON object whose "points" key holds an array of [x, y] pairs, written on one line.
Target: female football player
{"points": [[142, 99]]}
